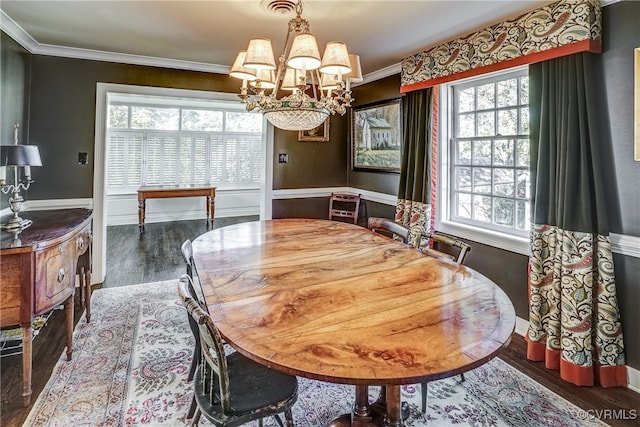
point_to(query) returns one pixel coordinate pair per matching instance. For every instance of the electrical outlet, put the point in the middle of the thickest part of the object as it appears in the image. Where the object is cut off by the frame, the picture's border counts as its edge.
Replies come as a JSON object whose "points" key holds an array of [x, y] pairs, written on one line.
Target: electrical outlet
{"points": [[83, 158]]}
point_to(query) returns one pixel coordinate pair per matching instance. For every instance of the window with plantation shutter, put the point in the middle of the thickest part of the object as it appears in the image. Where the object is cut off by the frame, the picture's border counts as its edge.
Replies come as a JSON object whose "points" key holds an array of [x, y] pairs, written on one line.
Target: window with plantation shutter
{"points": [[125, 160], [182, 144]]}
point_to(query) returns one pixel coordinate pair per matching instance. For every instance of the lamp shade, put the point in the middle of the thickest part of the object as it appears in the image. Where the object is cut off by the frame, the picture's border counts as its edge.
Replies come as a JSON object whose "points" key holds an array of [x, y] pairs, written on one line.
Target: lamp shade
{"points": [[260, 55], [335, 59], [304, 54], [291, 80], [239, 71], [355, 75], [265, 78], [20, 155], [329, 81]]}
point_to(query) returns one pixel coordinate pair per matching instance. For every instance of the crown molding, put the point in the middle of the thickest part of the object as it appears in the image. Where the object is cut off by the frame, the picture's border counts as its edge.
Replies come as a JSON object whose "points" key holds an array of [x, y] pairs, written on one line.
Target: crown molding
{"points": [[382, 73], [124, 58], [15, 31]]}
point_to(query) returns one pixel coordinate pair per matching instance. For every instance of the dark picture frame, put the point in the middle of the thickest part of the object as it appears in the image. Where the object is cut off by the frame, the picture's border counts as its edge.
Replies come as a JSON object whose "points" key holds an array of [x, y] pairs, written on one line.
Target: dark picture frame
{"points": [[636, 154], [319, 133], [376, 136]]}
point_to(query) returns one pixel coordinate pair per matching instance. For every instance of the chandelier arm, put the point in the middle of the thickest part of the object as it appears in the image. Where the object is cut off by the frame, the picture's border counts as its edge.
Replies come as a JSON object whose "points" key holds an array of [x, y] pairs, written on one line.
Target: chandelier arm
{"points": [[319, 77], [281, 60], [313, 86]]}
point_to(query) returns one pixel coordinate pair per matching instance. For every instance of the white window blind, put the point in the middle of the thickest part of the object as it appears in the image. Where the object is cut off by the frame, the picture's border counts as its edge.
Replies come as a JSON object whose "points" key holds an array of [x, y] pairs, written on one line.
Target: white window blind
{"points": [[222, 148]]}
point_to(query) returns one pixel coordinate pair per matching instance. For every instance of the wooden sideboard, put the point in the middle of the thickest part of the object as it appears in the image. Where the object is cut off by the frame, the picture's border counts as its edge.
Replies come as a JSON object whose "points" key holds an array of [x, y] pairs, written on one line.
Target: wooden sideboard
{"points": [[38, 273]]}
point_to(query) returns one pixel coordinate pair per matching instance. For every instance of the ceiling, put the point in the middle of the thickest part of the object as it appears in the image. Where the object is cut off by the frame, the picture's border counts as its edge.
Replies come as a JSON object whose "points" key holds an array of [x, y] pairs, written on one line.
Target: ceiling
{"points": [[206, 35]]}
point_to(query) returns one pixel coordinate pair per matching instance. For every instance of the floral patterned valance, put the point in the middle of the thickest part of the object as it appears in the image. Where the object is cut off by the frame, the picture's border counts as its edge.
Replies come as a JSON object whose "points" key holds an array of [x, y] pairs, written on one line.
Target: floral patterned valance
{"points": [[561, 28]]}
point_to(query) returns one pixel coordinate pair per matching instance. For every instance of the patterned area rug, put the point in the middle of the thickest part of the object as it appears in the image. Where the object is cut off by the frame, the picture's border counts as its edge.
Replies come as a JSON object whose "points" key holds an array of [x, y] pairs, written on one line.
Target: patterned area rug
{"points": [[130, 366]]}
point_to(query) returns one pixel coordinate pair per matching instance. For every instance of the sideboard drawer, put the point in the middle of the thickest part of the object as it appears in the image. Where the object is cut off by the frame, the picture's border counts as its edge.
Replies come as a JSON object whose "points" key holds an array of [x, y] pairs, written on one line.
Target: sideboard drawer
{"points": [[10, 290], [56, 274], [83, 241]]}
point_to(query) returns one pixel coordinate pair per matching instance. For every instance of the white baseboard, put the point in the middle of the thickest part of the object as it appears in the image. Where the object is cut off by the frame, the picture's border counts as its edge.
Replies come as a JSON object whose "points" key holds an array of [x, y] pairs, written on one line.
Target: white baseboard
{"points": [[633, 374], [49, 204], [521, 326], [633, 377], [128, 218]]}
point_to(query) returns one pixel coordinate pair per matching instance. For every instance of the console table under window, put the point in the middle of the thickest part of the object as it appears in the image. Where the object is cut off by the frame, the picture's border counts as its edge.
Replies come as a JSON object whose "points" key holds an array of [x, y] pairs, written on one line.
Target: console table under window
{"points": [[38, 273], [170, 191]]}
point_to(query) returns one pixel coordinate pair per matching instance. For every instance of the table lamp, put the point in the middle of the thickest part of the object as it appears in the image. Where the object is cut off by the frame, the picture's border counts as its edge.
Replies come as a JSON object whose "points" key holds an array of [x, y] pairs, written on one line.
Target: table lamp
{"points": [[17, 156]]}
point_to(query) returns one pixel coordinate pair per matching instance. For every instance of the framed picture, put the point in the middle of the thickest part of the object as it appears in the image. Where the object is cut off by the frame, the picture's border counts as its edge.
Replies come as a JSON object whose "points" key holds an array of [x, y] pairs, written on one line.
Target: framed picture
{"points": [[636, 154], [376, 136], [317, 134]]}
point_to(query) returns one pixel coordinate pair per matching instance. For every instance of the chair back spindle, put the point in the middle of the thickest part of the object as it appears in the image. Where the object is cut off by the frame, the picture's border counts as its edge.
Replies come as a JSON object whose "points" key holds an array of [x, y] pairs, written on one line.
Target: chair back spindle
{"points": [[388, 228], [443, 245], [344, 206]]}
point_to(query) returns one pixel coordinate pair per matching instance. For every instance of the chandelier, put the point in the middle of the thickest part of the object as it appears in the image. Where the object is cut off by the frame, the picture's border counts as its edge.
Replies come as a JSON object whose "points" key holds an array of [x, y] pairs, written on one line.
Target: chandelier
{"points": [[313, 88]]}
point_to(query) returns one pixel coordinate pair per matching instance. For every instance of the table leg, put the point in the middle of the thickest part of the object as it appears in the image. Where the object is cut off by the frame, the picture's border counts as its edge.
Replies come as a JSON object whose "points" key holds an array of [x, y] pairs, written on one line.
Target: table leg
{"points": [[361, 415], [27, 336], [211, 206], [68, 305], [394, 416], [86, 274], [141, 208]]}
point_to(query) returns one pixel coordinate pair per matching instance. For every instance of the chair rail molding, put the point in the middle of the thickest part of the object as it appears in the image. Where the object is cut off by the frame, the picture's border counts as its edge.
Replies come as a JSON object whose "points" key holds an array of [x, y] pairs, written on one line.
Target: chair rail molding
{"points": [[304, 193], [620, 243]]}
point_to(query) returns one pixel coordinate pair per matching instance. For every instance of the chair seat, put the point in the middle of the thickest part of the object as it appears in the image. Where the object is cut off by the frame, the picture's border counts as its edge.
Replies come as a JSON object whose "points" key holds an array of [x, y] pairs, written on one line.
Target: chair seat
{"points": [[253, 387]]}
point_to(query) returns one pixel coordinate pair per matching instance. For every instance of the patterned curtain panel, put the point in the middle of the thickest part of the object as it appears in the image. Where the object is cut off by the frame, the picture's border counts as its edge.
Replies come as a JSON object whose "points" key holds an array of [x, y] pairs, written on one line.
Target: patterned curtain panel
{"points": [[574, 320], [554, 30], [414, 193]]}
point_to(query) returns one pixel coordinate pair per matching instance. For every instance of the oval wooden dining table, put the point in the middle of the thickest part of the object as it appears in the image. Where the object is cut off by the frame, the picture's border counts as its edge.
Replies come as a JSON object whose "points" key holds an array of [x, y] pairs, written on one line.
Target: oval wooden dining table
{"points": [[336, 302]]}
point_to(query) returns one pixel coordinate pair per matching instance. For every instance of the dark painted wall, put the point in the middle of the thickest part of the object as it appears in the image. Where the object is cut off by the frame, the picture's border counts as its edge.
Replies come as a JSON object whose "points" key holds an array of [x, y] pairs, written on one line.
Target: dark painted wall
{"points": [[621, 34], [621, 24], [15, 68], [312, 164]]}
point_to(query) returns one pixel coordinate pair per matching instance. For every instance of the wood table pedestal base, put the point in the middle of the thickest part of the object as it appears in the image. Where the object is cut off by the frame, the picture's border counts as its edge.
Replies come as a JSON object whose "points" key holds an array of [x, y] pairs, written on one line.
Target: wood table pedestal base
{"points": [[384, 412]]}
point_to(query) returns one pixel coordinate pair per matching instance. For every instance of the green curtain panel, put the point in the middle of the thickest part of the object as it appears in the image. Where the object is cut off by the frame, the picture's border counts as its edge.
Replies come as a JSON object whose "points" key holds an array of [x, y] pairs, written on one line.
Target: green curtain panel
{"points": [[413, 209], [574, 320]]}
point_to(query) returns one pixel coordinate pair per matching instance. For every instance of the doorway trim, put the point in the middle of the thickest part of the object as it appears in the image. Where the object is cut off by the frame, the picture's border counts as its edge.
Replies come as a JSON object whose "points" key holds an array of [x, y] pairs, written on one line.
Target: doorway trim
{"points": [[103, 90]]}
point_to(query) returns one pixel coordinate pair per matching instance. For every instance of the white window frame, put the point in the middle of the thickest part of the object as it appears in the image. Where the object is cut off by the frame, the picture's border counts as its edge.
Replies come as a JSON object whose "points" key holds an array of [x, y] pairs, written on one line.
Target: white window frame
{"points": [[490, 237]]}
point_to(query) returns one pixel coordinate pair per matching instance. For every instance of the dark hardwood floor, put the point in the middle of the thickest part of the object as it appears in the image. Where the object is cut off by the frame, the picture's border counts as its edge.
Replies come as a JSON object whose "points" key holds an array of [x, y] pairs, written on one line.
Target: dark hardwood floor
{"points": [[155, 256]]}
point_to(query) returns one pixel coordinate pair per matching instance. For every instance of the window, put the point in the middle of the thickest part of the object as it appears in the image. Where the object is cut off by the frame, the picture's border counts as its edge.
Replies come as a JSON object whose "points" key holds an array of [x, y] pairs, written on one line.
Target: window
{"points": [[156, 141], [486, 160]]}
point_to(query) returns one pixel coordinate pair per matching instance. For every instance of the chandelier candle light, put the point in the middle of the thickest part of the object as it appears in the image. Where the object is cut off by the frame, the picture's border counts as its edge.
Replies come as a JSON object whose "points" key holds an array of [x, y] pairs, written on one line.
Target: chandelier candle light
{"points": [[299, 70], [17, 156]]}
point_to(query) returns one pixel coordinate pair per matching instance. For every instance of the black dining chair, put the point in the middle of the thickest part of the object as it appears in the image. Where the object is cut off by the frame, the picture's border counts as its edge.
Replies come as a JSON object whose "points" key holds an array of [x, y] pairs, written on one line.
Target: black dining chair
{"points": [[442, 246], [197, 294], [231, 389], [195, 291]]}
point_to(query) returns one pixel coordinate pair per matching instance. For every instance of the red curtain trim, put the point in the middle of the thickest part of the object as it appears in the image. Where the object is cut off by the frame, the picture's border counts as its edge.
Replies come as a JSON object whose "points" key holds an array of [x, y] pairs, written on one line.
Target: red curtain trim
{"points": [[606, 376], [612, 376], [434, 155], [593, 46]]}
